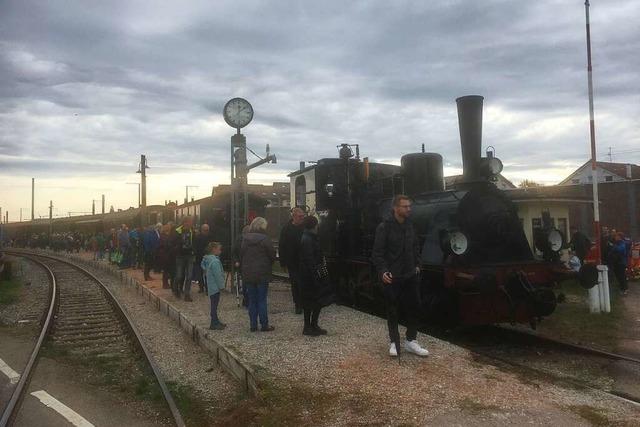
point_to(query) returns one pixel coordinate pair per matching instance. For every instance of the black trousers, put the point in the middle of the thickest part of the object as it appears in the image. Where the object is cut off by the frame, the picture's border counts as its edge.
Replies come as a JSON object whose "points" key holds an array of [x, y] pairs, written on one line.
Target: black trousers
{"points": [[619, 270], [402, 297], [294, 278], [311, 315], [148, 263]]}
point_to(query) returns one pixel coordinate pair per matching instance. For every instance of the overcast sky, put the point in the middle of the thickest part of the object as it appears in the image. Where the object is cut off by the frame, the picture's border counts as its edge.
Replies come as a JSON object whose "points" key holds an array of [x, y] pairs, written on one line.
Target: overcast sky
{"points": [[87, 86]]}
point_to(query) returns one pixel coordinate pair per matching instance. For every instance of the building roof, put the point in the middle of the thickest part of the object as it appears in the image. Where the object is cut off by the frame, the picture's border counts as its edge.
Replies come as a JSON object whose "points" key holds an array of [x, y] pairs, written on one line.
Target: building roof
{"points": [[558, 193], [619, 169], [453, 179]]}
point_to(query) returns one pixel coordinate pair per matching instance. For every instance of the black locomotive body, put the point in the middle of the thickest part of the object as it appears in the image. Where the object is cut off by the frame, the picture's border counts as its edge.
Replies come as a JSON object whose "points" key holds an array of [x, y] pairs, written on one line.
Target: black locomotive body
{"points": [[477, 265]]}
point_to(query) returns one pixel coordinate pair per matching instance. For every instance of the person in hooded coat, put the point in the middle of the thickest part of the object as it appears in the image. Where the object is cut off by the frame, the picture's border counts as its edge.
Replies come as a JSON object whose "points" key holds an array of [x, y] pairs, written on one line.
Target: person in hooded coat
{"points": [[256, 259], [315, 288]]}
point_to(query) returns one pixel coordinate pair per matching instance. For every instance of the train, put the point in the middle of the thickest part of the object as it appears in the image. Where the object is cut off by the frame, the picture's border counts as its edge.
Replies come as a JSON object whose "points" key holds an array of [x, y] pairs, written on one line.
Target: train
{"points": [[477, 266], [22, 233], [213, 210]]}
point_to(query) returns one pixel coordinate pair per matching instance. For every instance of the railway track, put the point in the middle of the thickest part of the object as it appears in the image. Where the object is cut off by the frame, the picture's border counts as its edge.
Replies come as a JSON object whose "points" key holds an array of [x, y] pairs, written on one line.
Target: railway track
{"points": [[84, 319], [543, 356]]}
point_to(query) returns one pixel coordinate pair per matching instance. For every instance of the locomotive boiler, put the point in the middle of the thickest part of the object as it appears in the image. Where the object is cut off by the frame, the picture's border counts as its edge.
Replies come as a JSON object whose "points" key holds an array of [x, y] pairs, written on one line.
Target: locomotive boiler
{"points": [[477, 264]]}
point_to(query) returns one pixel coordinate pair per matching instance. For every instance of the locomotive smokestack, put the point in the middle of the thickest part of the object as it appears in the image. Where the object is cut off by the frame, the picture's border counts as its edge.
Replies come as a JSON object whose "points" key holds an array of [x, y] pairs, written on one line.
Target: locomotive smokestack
{"points": [[470, 123]]}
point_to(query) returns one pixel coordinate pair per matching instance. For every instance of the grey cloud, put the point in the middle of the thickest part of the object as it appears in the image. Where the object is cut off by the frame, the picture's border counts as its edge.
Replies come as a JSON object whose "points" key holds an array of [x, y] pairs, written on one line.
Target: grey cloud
{"points": [[153, 79]]}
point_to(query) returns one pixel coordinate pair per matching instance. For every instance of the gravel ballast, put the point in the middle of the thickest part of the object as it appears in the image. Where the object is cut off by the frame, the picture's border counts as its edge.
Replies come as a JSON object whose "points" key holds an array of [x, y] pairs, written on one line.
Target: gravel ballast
{"points": [[180, 360], [33, 298], [347, 377]]}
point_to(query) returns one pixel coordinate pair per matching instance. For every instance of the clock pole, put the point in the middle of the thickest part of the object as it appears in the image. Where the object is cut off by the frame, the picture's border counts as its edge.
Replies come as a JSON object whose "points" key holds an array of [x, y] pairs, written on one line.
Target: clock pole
{"points": [[238, 113]]}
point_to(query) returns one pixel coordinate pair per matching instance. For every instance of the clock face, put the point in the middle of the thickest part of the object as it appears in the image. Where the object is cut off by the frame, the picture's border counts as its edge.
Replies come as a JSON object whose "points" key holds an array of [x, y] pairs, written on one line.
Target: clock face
{"points": [[238, 113]]}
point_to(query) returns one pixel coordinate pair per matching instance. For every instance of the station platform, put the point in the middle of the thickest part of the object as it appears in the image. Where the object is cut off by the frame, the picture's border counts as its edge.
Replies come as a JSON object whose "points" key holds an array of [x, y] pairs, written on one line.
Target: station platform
{"points": [[347, 377]]}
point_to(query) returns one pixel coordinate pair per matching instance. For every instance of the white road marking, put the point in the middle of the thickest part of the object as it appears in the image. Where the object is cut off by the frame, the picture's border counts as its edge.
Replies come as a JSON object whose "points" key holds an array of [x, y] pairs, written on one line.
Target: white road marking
{"points": [[6, 369], [71, 416]]}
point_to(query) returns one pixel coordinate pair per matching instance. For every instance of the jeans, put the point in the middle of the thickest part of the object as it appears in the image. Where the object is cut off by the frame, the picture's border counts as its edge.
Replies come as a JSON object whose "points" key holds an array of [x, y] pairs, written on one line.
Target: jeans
{"points": [[215, 299], [258, 304], [126, 257], [403, 295], [197, 273], [184, 270]]}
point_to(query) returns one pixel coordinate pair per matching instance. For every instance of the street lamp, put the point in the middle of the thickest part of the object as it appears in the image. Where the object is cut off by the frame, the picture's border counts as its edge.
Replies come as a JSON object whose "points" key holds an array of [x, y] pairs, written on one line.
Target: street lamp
{"points": [[138, 184]]}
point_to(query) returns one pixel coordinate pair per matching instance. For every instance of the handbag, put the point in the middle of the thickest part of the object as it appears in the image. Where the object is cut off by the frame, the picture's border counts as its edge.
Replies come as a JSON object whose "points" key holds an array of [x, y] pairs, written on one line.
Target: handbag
{"points": [[321, 270]]}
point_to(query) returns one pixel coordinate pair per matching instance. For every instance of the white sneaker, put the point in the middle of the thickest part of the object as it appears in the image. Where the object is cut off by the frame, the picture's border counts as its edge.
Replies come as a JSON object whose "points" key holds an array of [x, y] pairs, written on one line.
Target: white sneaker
{"points": [[392, 350], [414, 347]]}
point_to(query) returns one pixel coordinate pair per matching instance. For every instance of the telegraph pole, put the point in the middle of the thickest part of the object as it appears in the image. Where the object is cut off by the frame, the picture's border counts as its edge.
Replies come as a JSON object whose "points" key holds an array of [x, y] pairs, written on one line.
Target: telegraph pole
{"points": [[33, 192], [50, 218], [592, 133], [103, 203], [142, 189], [186, 188], [143, 176]]}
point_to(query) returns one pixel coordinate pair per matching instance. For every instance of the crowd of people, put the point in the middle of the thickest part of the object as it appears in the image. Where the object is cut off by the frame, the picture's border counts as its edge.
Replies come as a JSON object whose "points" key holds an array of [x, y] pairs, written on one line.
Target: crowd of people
{"points": [[395, 255], [615, 253]]}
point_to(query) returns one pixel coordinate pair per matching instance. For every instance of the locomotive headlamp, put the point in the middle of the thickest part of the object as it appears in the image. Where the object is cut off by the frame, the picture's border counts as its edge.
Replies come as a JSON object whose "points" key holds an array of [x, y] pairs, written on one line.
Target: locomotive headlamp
{"points": [[495, 165], [458, 242], [491, 166], [554, 239], [329, 189]]}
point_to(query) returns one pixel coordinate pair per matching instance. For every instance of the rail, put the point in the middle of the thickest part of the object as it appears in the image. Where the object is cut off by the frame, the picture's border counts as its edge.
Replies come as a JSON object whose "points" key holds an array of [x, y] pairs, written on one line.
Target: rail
{"points": [[18, 392], [126, 320]]}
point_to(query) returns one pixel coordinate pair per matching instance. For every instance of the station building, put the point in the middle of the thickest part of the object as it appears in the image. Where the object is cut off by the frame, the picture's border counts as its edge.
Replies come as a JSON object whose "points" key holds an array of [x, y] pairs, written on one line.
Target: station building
{"points": [[571, 201]]}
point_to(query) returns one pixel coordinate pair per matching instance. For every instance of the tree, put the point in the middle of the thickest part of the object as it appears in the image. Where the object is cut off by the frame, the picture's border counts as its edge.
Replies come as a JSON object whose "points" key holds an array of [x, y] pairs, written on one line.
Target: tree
{"points": [[527, 183]]}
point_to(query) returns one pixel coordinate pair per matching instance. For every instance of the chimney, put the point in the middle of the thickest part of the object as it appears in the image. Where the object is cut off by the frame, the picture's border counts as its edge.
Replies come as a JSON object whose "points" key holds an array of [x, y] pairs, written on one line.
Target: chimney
{"points": [[470, 124], [629, 176], [301, 165]]}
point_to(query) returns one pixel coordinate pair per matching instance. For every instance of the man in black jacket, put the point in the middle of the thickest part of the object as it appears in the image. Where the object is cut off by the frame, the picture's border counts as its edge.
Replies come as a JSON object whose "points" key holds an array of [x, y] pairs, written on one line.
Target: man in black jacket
{"points": [[289, 251], [396, 256], [183, 238]]}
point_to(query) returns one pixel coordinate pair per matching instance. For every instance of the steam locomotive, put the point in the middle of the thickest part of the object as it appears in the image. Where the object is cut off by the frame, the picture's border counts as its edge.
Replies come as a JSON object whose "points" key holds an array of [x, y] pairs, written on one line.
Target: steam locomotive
{"points": [[477, 266]]}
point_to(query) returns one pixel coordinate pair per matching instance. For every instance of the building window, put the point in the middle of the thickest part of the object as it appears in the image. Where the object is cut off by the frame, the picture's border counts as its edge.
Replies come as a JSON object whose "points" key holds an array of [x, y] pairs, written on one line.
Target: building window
{"points": [[575, 181], [590, 178], [608, 178], [301, 191], [536, 223]]}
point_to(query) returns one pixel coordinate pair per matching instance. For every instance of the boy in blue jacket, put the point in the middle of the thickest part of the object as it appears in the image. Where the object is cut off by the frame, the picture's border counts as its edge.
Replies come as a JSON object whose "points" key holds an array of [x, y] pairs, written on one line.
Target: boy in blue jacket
{"points": [[214, 276]]}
